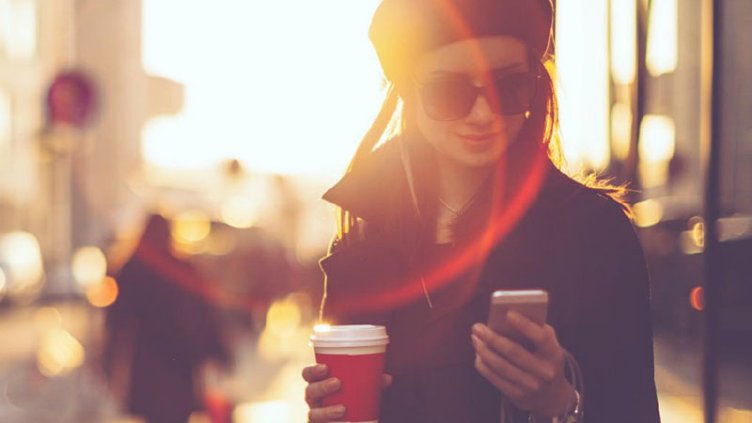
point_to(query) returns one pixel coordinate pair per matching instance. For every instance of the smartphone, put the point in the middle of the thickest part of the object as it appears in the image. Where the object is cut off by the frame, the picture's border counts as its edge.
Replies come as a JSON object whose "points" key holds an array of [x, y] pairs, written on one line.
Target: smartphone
{"points": [[532, 304]]}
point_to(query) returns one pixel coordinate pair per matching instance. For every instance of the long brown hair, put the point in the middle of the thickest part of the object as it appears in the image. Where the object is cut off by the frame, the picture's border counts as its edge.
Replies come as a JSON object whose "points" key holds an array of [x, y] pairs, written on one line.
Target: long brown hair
{"points": [[542, 125]]}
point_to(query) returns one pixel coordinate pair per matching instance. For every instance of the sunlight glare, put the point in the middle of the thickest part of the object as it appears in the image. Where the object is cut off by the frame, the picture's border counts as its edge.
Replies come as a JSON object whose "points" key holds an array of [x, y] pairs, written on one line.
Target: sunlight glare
{"points": [[583, 90], [89, 266], [648, 213], [621, 130], [59, 353], [2, 283], [103, 293], [22, 255], [322, 327], [262, 412], [697, 229], [656, 148], [282, 92], [623, 40], [662, 40], [657, 138], [238, 212], [190, 227], [18, 28], [283, 318]]}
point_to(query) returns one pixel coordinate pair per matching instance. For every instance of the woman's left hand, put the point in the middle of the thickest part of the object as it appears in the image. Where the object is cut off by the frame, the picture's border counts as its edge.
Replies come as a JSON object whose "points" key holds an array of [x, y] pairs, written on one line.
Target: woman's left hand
{"points": [[532, 381]]}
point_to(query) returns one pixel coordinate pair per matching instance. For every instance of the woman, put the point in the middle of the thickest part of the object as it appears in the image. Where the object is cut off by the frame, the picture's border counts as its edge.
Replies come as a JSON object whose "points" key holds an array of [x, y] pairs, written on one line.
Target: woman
{"points": [[464, 200]]}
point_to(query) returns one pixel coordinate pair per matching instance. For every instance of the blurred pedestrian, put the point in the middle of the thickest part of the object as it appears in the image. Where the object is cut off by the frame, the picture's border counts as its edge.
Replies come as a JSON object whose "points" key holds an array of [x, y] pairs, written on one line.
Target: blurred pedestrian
{"points": [[465, 198], [158, 333]]}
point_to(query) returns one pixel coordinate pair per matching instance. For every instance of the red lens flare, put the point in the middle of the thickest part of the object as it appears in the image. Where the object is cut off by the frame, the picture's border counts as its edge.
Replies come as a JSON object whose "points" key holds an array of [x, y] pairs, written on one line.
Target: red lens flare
{"points": [[505, 216]]}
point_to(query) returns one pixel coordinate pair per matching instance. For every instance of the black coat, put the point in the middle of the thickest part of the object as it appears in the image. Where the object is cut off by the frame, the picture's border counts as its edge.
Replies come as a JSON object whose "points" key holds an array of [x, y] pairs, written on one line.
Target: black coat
{"points": [[159, 332], [573, 241]]}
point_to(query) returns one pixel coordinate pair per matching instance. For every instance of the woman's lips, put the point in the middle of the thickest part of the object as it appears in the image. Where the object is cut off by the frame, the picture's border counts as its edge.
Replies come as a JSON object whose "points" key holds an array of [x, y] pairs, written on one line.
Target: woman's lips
{"points": [[481, 137], [480, 141]]}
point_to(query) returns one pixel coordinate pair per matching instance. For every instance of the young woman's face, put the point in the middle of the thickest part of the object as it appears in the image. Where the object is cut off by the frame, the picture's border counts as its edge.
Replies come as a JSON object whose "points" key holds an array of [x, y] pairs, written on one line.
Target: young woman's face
{"points": [[477, 134]]}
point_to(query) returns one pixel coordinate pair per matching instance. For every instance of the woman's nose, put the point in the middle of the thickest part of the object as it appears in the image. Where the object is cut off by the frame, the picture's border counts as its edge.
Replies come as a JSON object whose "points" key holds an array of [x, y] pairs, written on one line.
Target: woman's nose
{"points": [[481, 113]]}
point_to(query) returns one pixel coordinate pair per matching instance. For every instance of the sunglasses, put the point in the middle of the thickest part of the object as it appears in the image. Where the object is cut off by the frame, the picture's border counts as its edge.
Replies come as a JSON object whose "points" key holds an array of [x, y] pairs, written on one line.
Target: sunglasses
{"points": [[453, 97]]}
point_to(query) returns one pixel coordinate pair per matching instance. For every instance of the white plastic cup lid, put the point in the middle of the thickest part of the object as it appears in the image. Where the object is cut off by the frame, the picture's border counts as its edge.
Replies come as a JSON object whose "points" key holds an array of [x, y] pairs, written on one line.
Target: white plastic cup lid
{"points": [[349, 336]]}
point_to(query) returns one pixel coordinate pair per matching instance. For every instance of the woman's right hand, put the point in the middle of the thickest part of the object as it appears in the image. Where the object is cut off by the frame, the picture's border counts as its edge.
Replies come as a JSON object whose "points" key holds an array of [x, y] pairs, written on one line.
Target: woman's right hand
{"points": [[319, 386]]}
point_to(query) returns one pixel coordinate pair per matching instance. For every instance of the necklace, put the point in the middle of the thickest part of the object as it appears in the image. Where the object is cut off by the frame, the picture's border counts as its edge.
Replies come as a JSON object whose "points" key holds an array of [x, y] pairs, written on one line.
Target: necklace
{"points": [[451, 209], [458, 212]]}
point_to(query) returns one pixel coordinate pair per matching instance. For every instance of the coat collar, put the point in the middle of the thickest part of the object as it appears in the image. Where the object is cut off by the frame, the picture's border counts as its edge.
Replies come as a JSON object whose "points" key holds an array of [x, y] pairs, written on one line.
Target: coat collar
{"points": [[369, 190]]}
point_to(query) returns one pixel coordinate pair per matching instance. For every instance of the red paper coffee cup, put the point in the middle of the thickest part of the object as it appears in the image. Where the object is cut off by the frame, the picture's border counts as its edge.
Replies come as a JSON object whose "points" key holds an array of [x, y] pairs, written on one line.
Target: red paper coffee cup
{"points": [[354, 355]]}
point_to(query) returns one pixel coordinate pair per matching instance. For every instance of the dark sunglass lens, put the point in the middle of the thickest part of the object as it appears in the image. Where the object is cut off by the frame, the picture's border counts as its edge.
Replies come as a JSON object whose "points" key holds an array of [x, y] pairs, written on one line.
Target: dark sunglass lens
{"points": [[515, 92], [448, 99]]}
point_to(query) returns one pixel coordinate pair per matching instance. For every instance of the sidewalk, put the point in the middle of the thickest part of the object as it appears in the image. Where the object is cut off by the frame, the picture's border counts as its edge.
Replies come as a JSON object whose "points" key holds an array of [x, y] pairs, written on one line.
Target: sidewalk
{"points": [[265, 385], [678, 377]]}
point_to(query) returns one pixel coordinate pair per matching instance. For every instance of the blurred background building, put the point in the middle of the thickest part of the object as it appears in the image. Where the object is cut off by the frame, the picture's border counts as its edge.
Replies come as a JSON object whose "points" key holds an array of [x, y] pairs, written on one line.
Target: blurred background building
{"points": [[231, 118]]}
